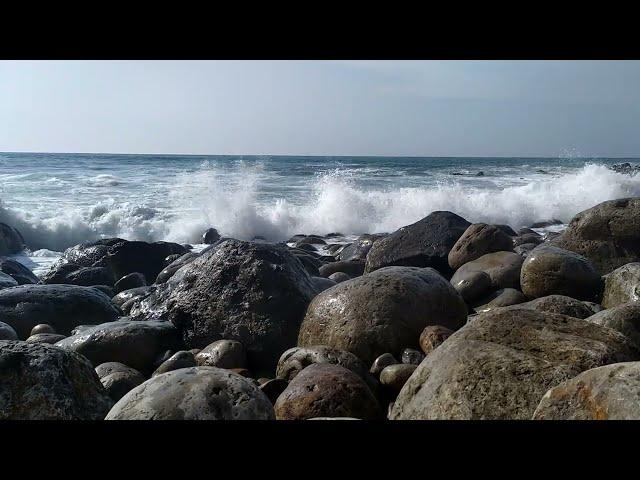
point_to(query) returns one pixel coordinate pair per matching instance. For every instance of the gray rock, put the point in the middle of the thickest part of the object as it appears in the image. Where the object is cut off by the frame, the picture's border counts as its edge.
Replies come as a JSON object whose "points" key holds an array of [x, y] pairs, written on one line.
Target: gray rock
{"points": [[42, 382], [136, 344], [624, 318], [123, 297], [10, 240], [382, 362], [359, 249], [502, 267], [474, 285], [622, 285], [223, 354], [339, 277], [500, 298], [432, 337], [395, 376], [550, 270], [17, 271], [181, 359], [7, 281], [353, 268], [73, 274], [7, 332], [62, 306], [174, 266], [527, 238], [121, 381], [42, 328], [426, 243], [327, 390], [321, 284], [478, 240], [411, 356], [108, 368], [211, 236], [604, 393], [197, 393], [502, 363], [50, 338], [524, 249], [558, 304], [132, 280], [384, 311]]}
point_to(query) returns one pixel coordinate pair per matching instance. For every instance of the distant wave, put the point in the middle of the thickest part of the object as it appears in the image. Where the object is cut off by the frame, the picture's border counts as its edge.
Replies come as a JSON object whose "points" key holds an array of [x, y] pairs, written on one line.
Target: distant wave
{"points": [[334, 202]]}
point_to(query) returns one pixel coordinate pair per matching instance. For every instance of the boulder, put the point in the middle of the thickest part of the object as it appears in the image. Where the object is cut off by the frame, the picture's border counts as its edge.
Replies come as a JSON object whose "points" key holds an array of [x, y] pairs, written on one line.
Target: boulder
{"points": [[42, 328], [624, 318], [353, 268], [140, 292], [119, 382], [383, 311], [10, 240], [321, 284], [210, 236], [17, 271], [145, 258], [222, 354], [394, 377], [136, 344], [558, 304], [359, 249], [7, 332], [7, 281], [528, 238], [327, 390], [426, 243], [339, 277], [42, 382], [197, 393], [255, 293], [432, 337], [607, 234], [174, 266], [411, 356], [128, 282], [182, 359], [74, 274], [622, 285], [50, 338], [500, 298], [478, 240], [62, 306], [502, 267], [609, 392], [500, 365], [550, 270], [473, 286], [382, 362]]}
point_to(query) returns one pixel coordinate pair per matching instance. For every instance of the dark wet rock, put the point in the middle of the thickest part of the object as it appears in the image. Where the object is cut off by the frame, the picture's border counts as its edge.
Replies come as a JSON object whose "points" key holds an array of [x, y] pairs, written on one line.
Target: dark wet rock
{"points": [[339, 277], [478, 240], [546, 223], [7, 332], [382, 362], [359, 249], [181, 359], [88, 277], [11, 240], [62, 306], [624, 318], [527, 231], [527, 238], [49, 338], [223, 354], [607, 234], [622, 285], [507, 229], [136, 344], [121, 381], [210, 237], [133, 280], [17, 271], [107, 368], [335, 248], [383, 311], [411, 356], [473, 285], [549, 270], [327, 390], [625, 168], [273, 388], [7, 281], [499, 365], [145, 258], [310, 240], [253, 293], [121, 298], [105, 289], [172, 258], [432, 337], [296, 238], [321, 284], [353, 268], [502, 267], [524, 249], [197, 393], [500, 298], [175, 265], [306, 247], [42, 382], [91, 254], [310, 264], [609, 392], [426, 243], [395, 376], [559, 304]]}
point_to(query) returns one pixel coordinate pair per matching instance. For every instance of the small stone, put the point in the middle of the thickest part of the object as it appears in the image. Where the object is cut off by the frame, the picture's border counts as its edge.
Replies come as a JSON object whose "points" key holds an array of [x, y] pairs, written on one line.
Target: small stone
{"points": [[382, 362], [411, 356], [182, 359], [395, 376], [42, 328], [222, 354], [432, 336]]}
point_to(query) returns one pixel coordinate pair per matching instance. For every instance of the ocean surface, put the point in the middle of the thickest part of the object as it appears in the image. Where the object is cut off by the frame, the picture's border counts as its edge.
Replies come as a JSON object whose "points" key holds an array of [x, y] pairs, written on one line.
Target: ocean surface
{"points": [[59, 200]]}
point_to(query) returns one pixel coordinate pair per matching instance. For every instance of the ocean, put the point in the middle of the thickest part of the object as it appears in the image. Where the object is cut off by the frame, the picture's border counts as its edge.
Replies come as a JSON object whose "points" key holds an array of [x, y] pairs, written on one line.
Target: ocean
{"points": [[58, 200]]}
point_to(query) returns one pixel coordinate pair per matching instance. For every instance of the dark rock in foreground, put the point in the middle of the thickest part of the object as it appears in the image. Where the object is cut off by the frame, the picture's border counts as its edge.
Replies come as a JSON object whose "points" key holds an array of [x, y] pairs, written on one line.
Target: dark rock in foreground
{"points": [[478, 240], [42, 382], [11, 240], [17, 271]]}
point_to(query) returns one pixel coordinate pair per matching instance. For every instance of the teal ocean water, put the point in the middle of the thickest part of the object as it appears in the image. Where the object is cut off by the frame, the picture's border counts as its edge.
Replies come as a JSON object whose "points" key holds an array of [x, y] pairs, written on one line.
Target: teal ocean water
{"points": [[59, 200]]}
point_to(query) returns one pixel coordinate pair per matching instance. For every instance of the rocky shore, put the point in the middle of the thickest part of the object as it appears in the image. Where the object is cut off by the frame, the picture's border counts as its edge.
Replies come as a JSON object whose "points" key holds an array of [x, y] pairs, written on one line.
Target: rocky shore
{"points": [[441, 319]]}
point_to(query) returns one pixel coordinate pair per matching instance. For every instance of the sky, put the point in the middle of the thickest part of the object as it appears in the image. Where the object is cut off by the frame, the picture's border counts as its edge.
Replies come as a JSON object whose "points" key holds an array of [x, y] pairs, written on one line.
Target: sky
{"points": [[401, 108]]}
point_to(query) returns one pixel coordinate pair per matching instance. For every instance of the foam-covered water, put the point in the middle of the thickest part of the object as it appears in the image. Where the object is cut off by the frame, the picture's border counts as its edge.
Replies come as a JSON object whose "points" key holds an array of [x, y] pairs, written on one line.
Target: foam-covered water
{"points": [[59, 200]]}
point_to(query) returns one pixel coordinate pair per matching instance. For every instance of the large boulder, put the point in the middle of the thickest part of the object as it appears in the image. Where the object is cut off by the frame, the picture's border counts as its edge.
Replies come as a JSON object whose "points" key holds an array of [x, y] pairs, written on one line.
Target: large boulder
{"points": [[17, 271], [255, 293], [478, 240], [499, 365], [327, 390], [607, 234], [7, 332], [136, 344], [624, 318], [10, 240], [550, 270], [61, 306], [426, 243], [558, 304], [359, 249], [197, 393], [383, 311], [7, 281], [622, 285], [502, 267], [73, 274], [604, 393], [42, 382], [174, 266]]}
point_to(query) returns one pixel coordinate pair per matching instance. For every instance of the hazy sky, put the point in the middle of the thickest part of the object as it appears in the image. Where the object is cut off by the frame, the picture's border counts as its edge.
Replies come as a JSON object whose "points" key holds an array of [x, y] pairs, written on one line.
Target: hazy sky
{"points": [[416, 108]]}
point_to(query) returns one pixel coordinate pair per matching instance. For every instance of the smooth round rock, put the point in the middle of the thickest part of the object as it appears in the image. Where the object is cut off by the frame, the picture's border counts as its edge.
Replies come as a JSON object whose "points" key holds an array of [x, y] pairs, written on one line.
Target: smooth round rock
{"points": [[210, 236], [550, 270], [7, 281], [222, 354], [624, 318], [7, 332], [42, 328], [433, 336], [132, 280], [327, 390], [382, 362], [383, 311], [107, 368], [500, 298], [473, 286], [339, 277], [395, 376], [321, 284], [17, 271], [182, 359], [43, 382], [502, 267], [478, 240], [118, 383], [558, 304], [411, 356], [50, 338], [197, 393], [622, 286], [353, 268]]}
